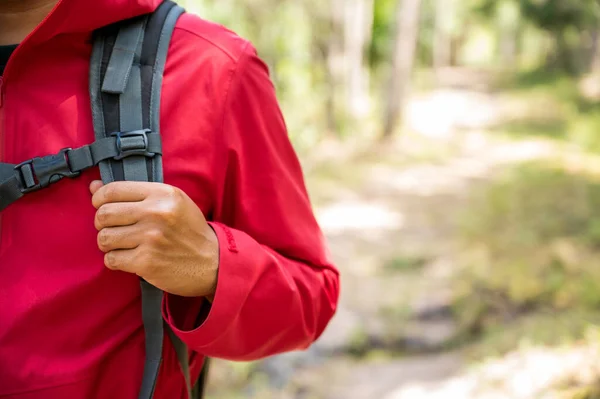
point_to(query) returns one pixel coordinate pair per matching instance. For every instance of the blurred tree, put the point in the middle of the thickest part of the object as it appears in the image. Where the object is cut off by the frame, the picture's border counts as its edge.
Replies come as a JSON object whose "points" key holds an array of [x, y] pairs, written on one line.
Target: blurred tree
{"points": [[594, 60], [508, 20], [404, 44], [445, 11], [566, 22], [358, 27], [327, 19]]}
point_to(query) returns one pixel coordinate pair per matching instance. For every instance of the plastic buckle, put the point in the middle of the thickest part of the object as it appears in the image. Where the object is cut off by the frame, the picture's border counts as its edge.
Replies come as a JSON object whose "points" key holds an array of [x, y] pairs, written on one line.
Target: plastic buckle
{"points": [[40, 172], [132, 143]]}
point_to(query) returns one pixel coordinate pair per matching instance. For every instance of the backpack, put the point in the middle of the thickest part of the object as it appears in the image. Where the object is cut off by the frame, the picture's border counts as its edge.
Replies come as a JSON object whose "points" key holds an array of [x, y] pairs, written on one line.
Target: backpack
{"points": [[125, 79]]}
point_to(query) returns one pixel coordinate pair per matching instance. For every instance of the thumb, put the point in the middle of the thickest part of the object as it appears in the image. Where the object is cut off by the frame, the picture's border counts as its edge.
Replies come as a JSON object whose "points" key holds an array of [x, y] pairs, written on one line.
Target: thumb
{"points": [[95, 186]]}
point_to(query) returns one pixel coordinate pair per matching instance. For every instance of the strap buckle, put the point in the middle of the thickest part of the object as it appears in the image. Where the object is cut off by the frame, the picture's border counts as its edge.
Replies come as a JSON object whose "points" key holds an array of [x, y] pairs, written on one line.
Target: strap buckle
{"points": [[132, 143], [39, 172]]}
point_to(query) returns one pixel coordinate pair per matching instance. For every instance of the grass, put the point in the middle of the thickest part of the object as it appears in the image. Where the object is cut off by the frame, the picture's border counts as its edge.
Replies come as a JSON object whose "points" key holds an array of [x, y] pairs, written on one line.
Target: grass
{"points": [[540, 328], [401, 264], [551, 105], [538, 127], [531, 239], [530, 260]]}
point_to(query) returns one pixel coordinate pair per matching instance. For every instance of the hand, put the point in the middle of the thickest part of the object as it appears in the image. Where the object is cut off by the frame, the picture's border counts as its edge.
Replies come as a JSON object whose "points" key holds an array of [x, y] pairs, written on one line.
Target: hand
{"points": [[157, 232]]}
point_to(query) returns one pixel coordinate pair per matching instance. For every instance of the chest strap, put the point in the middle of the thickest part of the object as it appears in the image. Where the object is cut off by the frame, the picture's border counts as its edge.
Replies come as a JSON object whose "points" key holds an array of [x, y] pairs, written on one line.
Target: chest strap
{"points": [[37, 173]]}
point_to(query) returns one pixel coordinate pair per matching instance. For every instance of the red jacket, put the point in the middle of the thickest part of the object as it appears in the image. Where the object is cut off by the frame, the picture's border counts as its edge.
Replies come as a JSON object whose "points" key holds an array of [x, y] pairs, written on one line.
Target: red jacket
{"points": [[72, 329]]}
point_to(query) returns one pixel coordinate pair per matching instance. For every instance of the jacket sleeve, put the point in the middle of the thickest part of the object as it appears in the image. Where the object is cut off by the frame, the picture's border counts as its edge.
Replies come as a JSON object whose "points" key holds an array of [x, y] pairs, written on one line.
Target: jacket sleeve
{"points": [[277, 289]]}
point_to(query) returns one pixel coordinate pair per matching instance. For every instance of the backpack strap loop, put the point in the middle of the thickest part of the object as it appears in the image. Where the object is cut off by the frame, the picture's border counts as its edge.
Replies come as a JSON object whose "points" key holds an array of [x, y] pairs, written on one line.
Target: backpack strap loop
{"points": [[122, 57]]}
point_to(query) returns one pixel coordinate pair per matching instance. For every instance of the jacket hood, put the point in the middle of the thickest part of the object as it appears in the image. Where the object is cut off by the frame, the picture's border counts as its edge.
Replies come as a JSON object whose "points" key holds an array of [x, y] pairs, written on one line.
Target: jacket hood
{"points": [[71, 16]]}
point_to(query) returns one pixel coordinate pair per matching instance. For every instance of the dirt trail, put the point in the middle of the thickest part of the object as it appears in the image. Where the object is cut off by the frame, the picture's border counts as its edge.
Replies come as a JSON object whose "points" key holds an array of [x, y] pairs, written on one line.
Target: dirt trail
{"points": [[381, 380], [405, 213]]}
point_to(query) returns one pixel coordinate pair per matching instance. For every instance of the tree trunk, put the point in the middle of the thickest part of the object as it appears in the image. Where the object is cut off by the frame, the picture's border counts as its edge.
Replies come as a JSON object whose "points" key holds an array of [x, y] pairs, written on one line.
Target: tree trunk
{"points": [[405, 43], [594, 58], [509, 21], [589, 85], [358, 25], [333, 47], [458, 42], [333, 71], [565, 57], [442, 41], [508, 48]]}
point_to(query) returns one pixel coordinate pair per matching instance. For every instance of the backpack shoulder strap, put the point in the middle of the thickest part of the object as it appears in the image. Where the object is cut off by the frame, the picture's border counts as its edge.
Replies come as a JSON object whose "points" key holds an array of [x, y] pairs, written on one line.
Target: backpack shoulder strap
{"points": [[126, 71]]}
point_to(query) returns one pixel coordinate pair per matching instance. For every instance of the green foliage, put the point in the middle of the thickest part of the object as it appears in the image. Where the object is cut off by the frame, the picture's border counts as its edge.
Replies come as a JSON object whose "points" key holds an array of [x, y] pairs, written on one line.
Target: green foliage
{"points": [[383, 29], [541, 328], [532, 241], [581, 392], [404, 264], [554, 107], [551, 15], [558, 15]]}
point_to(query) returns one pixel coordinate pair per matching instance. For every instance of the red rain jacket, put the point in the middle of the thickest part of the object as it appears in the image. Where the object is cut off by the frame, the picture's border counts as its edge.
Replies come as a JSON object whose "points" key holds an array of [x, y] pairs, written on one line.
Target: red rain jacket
{"points": [[72, 329]]}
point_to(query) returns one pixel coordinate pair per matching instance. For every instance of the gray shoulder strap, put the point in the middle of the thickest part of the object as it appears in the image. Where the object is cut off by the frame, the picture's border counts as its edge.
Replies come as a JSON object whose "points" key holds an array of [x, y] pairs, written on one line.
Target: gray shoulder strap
{"points": [[126, 72]]}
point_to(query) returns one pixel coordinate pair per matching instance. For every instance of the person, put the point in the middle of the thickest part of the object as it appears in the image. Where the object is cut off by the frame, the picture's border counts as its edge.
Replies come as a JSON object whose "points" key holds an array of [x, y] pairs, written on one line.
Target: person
{"points": [[230, 236]]}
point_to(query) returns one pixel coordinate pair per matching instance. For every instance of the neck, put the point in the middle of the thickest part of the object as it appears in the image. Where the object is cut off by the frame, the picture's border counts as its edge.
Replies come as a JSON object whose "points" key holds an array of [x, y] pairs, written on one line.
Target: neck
{"points": [[19, 17]]}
